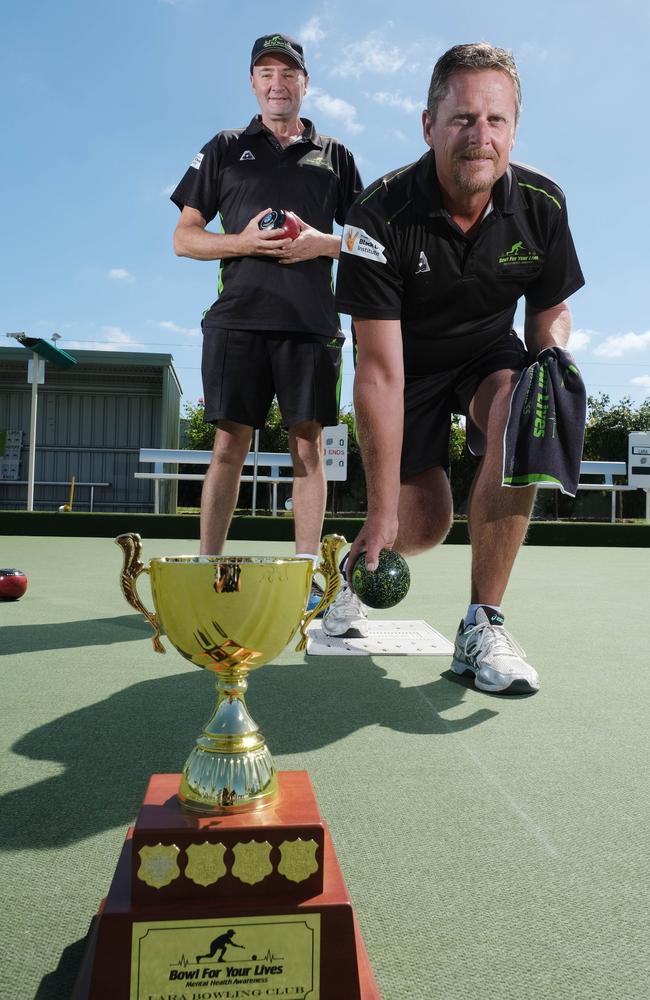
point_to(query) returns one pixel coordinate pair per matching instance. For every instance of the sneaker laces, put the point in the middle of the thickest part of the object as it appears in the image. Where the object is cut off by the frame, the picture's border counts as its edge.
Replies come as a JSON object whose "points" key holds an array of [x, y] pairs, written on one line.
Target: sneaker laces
{"points": [[491, 639], [347, 599]]}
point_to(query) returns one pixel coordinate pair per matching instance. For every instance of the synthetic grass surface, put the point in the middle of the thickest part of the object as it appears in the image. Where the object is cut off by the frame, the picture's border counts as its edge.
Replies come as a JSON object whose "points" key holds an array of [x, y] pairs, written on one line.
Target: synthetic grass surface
{"points": [[493, 847]]}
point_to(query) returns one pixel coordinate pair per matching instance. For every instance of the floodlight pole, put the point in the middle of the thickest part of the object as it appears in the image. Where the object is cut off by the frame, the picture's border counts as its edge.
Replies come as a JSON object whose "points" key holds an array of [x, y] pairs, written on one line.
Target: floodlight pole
{"points": [[31, 464], [31, 467], [39, 348]]}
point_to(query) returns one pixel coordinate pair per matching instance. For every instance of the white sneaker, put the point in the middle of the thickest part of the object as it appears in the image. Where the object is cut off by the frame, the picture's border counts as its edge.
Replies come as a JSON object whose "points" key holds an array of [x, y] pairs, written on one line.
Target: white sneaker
{"points": [[346, 616], [493, 656]]}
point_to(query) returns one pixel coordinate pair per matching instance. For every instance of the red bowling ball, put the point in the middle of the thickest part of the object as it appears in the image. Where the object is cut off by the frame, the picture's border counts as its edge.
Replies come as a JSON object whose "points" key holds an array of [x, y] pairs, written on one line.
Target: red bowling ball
{"points": [[283, 224], [13, 584]]}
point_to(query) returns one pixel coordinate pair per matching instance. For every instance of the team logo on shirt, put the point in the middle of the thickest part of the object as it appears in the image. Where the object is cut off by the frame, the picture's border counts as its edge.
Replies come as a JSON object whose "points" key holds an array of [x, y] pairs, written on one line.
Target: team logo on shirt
{"points": [[246, 155], [423, 264], [196, 162], [359, 244], [313, 159], [519, 254]]}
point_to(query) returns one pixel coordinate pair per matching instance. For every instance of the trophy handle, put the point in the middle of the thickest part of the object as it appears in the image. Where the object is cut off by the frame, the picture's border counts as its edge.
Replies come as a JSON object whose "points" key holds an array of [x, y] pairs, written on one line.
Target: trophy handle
{"points": [[131, 546], [329, 567]]}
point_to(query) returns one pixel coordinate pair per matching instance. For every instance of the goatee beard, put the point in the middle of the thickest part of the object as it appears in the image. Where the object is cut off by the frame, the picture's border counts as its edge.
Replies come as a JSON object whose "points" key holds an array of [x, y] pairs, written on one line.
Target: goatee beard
{"points": [[472, 185]]}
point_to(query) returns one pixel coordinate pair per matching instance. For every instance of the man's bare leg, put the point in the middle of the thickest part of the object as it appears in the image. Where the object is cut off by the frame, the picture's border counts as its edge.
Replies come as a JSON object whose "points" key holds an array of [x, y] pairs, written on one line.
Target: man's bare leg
{"points": [[498, 519], [425, 512], [309, 484], [498, 516], [221, 484]]}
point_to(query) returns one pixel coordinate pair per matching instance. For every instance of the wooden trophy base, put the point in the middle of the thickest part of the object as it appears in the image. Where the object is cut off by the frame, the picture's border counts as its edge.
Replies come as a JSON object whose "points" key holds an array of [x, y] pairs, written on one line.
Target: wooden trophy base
{"points": [[224, 907]]}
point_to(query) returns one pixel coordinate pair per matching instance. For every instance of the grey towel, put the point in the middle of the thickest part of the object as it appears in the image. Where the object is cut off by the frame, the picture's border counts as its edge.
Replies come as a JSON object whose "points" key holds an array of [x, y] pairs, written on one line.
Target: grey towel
{"points": [[546, 425]]}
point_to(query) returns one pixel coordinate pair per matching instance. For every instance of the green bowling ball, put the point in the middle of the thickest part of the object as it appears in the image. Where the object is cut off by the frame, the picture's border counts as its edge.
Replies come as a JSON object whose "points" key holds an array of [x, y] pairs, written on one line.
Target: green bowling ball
{"points": [[387, 586]]}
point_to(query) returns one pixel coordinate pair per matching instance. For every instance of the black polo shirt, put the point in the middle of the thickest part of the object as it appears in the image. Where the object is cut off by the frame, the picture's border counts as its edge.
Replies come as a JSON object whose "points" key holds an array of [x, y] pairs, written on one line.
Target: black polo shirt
{"points": [[243, 171], [403, 257]]}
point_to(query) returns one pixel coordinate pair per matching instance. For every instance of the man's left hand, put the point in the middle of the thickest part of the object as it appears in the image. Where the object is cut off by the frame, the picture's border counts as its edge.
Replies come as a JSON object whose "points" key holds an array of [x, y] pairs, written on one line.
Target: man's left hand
{"points": [[310, 244]]}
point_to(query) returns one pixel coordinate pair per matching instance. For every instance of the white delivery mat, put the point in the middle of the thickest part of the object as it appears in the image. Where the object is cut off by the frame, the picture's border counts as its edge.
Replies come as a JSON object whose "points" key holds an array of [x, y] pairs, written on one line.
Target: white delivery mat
{"points": [[407, 638]]}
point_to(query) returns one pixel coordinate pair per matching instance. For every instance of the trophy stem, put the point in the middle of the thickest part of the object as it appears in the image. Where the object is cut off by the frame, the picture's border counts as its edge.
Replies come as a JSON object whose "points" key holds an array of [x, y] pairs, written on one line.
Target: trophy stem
{"points": [[230, 768]]}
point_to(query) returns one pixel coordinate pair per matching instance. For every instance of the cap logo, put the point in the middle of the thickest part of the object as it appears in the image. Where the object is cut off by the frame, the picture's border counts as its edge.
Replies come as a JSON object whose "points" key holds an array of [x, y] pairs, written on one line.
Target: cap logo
{"points": [[276, 40]]}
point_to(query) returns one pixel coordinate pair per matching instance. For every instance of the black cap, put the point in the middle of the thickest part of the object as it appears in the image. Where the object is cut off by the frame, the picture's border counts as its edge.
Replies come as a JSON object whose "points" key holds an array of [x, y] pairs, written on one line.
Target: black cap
{"points": [[283, 44]]}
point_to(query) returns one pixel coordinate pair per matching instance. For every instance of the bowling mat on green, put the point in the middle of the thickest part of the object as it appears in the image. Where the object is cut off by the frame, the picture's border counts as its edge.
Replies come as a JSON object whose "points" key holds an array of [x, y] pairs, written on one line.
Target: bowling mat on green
{"points": [[390, 638]]}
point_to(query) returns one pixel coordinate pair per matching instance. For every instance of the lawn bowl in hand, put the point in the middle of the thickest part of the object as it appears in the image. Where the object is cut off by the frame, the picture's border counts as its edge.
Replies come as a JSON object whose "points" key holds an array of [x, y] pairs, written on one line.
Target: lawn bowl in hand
{"points": [[284, 225], [387, 585], [230, 615], [13, 584]]}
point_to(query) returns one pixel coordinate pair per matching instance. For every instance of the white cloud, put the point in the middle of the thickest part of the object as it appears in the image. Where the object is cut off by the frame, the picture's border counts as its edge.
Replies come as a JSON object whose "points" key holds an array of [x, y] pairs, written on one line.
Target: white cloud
{"points": [[112, 338], [184, 331], [312, 33], [397, 101], [371, 55], [120, 274], [166, 191], [119, 337], [622, 344], [643, 380], [334, 107], [579, 340]]}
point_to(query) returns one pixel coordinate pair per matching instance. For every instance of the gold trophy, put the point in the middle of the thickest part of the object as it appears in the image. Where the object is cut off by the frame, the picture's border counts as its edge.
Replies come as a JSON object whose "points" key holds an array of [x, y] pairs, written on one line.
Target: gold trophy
{"points": [[231, 615], [192, 886]]}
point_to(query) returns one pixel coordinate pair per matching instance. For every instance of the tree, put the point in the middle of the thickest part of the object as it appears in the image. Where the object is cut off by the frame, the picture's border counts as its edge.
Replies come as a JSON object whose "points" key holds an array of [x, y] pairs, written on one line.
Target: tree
{"points": [[349, 495], [608, 425], [462, 465], [199, 436], [606, 439]]}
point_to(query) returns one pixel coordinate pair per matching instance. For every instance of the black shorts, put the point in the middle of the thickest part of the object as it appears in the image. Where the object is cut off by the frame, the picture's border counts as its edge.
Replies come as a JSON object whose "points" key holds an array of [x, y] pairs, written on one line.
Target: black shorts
{"points": [[430, 400], [243, 369]]}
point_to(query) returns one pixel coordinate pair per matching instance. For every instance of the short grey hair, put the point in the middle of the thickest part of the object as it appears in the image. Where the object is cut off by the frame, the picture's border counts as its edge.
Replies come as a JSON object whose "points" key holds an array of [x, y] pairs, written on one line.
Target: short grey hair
{"points": [[477, 55]]}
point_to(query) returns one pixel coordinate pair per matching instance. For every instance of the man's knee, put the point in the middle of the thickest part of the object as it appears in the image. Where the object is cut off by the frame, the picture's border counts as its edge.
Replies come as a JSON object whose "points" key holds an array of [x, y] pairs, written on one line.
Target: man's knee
{"points": [[491, 401], [425, 511], [306, 447], [414, 539], [231, 443]]}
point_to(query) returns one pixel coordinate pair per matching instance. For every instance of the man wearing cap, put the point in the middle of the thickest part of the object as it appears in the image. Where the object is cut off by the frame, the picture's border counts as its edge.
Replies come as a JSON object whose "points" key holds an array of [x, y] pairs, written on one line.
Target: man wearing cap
{"points": [[437, 255], [273, 328]]}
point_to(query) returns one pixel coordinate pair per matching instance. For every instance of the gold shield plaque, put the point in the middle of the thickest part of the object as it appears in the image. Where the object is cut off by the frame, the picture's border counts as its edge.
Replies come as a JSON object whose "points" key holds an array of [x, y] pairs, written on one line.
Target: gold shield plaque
{"points": [[252, 861], [158, 865], [298, 859], [263, 956], [205, 865]]}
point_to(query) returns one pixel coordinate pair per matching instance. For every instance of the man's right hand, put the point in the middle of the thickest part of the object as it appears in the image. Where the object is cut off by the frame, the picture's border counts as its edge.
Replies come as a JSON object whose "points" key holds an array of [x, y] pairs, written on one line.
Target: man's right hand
{"points": [[191, 239], [376, 534], [256, 242]]}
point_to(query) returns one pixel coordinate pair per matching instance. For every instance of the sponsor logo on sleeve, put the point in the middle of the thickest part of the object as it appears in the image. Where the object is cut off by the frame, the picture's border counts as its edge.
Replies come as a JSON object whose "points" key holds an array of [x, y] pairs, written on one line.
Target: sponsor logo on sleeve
{"points": [[196, 162], [360, 244]]}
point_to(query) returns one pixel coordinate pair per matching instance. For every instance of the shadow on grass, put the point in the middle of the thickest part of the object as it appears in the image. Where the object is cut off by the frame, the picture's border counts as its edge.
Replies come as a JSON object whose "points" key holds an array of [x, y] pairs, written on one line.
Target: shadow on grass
{"points": [[110, 749], [69, 635], [466, 681], [57, 985]]}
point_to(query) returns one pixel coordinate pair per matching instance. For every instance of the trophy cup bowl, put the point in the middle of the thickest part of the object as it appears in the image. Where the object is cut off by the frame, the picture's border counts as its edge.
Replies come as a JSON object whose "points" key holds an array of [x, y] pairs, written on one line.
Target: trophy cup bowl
{"points": [[231, 615]]}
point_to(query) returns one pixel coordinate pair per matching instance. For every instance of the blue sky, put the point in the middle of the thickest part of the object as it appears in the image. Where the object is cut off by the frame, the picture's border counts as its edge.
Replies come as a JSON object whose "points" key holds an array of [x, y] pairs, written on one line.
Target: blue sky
{"points": [[105, 104]]}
